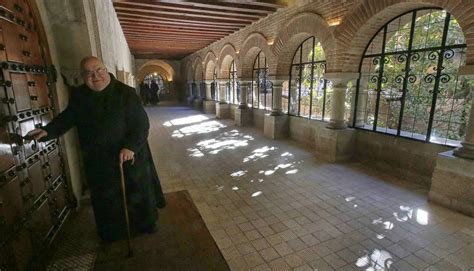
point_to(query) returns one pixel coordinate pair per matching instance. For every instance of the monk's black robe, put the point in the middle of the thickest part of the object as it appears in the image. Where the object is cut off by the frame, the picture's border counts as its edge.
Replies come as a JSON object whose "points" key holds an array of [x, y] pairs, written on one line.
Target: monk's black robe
{"points": [[108, 121]]}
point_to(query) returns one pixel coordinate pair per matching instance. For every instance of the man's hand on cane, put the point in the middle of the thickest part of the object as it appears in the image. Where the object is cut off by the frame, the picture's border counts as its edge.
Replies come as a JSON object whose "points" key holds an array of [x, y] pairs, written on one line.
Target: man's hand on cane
{"points": [[126, 155]]}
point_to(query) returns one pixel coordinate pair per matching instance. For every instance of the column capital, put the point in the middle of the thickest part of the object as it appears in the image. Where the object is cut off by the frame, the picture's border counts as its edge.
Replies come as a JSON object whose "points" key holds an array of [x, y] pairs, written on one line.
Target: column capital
{"points": [[341, 78], [277, 80]]}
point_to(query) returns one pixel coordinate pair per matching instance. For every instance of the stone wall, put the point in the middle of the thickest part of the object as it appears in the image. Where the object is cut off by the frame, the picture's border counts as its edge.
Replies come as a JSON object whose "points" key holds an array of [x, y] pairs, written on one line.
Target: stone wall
{"points": [[409, 159], [113, 45], [304, 129], [258, 118]]}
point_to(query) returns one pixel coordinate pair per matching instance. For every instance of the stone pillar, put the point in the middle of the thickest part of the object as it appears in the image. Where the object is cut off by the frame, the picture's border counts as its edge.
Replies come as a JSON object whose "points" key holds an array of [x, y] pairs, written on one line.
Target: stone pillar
{"points": [[197, 103], [277, 84], [208, 89], [243, 114], [222, 107], [335, 143], [244, 84], [222, 90], [209, 105], [190, 96], [467, 145], [339, 86], [276, 124]]}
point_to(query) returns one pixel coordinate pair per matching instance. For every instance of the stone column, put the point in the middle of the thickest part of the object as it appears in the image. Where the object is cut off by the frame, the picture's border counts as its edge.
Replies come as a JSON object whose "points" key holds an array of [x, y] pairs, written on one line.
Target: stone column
{"points": [[244, 86], [190, 96], [208, 89], [197, 97], [276, 124], [244, 114], [277, 86], [222, 107], [339, 86], [467, 145], [222, 90], [209, 104]]}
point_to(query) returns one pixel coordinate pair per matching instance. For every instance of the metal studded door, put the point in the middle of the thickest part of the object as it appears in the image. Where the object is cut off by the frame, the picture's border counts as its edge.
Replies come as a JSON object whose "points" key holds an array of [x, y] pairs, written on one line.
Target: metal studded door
{"points": [[33, 192]]}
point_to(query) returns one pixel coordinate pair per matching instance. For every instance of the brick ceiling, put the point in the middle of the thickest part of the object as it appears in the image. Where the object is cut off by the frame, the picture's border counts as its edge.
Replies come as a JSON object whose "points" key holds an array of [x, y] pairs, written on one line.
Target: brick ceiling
{"points": [[172, 29]]}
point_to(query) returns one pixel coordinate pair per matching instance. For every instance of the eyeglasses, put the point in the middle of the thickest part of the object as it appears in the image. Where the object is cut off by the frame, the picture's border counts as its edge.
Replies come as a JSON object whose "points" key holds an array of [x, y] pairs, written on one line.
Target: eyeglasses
{"points": [[98, 71]]}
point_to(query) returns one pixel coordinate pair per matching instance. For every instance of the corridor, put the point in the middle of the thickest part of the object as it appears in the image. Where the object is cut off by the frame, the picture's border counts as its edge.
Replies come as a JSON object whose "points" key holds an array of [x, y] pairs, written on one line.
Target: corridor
{"points": [[273, 205]]}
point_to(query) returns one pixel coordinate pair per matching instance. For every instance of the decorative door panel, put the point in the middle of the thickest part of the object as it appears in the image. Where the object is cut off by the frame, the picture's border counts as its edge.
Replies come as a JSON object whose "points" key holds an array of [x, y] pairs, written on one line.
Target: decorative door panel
{"points": [[38, 85], [59, 197], [11, 201], [35, 178], [54, 164], [40, 223], [31, 147], [14, 46], [32, 53], [21, 92]]}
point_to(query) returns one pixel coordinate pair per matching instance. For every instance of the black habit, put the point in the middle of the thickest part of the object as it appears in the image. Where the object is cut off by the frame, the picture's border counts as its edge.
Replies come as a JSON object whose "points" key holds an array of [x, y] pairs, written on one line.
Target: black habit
{"points": [[108, 121]]}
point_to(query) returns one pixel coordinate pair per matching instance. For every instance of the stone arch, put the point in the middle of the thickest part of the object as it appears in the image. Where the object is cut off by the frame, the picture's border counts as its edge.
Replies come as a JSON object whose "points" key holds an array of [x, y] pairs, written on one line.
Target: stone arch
{"points": [[252, 45], [149, 69], [355, 33], [197, 69], [226, 55], [299, 28], [160, 66], [210, 63]]}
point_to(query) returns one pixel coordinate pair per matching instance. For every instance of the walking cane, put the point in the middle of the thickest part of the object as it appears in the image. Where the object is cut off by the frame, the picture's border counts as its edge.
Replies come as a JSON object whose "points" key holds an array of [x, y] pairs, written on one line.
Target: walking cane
{"points": [[122, 180]]}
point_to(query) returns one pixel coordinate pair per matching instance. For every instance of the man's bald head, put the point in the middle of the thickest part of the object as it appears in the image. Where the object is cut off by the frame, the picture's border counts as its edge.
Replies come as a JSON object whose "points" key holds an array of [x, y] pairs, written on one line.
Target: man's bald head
{"points": [[94, 73]]}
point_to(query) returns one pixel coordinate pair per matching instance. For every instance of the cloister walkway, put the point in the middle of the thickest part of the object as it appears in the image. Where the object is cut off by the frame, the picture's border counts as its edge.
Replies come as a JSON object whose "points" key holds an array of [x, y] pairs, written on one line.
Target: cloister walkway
{"points": [[273, 205]]}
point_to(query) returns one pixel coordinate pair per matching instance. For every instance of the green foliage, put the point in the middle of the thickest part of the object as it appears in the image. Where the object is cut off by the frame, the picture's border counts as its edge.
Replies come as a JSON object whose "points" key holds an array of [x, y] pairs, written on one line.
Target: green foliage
{"points": [[453, 99]]}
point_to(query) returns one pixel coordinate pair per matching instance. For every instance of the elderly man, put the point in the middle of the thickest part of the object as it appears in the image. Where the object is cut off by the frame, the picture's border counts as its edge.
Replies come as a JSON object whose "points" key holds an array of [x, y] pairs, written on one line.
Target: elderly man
{"points": [[113, 128]]}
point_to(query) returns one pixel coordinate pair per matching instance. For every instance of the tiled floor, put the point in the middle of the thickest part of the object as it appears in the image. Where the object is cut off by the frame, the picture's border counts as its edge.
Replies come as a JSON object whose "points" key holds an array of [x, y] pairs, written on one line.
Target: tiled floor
{"points": [[273, 205]]}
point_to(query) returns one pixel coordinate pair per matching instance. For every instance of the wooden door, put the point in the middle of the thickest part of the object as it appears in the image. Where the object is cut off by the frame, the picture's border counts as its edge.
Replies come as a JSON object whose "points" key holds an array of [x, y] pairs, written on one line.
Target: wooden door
{"points": [[34, 195]]}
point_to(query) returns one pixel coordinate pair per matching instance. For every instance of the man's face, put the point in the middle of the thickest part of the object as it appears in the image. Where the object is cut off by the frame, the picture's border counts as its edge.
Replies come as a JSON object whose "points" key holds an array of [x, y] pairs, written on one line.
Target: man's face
{"points": [[95, 74]]}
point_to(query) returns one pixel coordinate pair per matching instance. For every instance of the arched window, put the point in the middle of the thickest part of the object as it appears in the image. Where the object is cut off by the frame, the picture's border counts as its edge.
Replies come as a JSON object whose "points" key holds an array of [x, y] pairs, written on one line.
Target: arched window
{"points": [[261, 87], [309, 93], [409, 85], [232, 89]]}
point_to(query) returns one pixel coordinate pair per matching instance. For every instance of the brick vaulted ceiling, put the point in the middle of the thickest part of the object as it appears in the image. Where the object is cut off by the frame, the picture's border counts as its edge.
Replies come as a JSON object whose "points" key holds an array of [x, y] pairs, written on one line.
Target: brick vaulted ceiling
{"points": [[172, 29]]}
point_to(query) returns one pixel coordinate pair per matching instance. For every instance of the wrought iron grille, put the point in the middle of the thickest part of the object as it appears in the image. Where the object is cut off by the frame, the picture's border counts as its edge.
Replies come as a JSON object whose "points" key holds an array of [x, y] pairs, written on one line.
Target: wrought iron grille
{"points": [[261, 86], [309, 93], [409, 85]]}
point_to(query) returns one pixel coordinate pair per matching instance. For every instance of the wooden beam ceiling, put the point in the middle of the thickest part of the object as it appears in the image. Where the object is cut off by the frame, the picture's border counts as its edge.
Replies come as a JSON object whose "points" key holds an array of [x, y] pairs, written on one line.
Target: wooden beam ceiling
{"points": [[173, 29]]}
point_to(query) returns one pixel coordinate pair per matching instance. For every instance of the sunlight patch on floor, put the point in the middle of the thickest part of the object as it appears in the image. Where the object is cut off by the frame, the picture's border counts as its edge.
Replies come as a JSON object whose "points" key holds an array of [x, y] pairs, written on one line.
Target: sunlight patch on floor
{"points": [[185, 120], [201, 128]]}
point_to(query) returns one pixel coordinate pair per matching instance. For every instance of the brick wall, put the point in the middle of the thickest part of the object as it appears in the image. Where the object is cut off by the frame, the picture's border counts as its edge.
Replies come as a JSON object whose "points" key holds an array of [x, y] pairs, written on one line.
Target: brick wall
{"points": [[355, 23]]}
